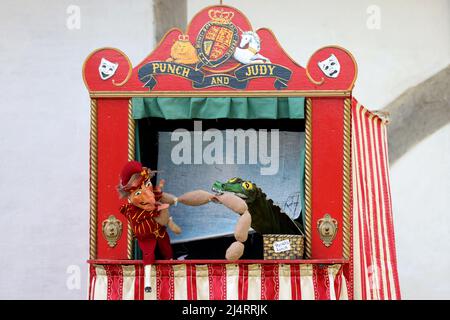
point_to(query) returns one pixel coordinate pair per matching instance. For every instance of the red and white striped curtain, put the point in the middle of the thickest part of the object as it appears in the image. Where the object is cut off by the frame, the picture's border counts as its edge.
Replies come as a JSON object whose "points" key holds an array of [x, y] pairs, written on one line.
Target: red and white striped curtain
{"points": [[374, 261], [219, 282]]}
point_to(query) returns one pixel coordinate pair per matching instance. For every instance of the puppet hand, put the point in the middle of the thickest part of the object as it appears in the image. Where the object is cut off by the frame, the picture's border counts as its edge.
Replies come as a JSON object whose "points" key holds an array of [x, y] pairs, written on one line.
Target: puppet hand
{"points": [[173, 226], [232, 202], [235, 251], [162, 218], [162, 206]]}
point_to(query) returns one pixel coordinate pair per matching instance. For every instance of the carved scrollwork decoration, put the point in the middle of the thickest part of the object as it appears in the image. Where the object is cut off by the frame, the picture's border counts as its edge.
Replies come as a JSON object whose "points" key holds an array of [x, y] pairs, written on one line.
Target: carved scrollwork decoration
{"points": [[112, 230], [327, 227]]}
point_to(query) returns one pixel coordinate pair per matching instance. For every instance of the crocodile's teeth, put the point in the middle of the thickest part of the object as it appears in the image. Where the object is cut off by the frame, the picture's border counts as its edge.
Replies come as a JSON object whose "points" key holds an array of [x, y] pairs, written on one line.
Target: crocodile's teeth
{"points": [[241, 195], [216, 191]]}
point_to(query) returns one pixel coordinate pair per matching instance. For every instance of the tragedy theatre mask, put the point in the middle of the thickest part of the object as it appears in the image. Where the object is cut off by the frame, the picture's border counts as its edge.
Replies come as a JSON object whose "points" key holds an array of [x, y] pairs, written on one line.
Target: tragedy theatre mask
{"points": [[107, 69], [330, 66]]}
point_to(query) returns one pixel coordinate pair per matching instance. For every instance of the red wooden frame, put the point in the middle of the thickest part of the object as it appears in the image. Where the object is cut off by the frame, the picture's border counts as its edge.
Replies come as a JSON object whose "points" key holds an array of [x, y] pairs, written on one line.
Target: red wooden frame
{"points": [[110, 123]]}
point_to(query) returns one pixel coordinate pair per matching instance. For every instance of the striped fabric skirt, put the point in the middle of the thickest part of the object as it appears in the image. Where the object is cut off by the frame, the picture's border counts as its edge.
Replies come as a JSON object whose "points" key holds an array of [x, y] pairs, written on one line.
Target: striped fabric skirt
{"points": [[219, 281]]}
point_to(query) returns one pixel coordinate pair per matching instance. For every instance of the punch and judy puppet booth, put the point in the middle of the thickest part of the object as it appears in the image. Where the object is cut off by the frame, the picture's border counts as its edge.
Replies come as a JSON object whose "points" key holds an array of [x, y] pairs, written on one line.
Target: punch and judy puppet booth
{"points": [[330, 175]]}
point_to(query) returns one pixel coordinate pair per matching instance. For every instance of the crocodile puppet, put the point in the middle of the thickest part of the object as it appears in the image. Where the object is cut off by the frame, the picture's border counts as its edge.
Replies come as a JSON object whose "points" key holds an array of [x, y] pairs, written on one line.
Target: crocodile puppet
{"points": [[267, 218], [253, 206]]}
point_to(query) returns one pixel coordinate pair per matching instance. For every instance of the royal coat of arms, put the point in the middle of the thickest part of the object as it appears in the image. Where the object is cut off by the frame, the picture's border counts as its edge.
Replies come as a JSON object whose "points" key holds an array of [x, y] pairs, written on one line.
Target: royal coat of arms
{"points": [[217, 40], [224, 54]]}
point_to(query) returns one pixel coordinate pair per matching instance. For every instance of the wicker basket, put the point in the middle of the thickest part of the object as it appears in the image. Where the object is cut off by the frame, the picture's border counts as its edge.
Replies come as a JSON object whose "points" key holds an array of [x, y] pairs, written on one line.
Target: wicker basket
{"points": [[283, 246]]}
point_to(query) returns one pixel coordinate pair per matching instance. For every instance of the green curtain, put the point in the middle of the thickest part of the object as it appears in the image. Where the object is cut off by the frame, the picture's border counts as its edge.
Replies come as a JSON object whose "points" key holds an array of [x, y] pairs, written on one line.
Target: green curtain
{"points": [[216, 108]]}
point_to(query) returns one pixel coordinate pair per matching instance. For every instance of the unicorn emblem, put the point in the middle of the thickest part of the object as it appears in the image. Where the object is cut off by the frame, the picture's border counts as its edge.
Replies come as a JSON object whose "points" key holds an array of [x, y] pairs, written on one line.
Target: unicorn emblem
{"points": [[247, 51]]}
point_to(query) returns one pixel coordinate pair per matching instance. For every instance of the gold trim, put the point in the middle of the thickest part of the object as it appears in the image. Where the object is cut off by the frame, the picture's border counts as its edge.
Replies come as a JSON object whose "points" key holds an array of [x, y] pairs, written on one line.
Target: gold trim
{"points": [[308, 175], [131, 132], [107, 48], [317, 83], [93, 182], [130, 72], [314, 93], [131, 156], [157, 45], [292, 93], [308, 75], [347, 163], [221, 5], [322, 80], [126, 57]]}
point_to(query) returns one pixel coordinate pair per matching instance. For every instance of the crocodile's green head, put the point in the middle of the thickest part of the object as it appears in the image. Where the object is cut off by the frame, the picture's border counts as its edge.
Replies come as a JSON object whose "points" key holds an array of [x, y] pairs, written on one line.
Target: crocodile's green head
{"points": [[244, 189]]}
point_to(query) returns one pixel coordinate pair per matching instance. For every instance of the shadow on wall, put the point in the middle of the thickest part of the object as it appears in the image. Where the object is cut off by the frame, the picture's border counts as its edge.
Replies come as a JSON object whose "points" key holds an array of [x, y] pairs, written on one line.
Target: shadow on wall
{"points": [[417, 113]]}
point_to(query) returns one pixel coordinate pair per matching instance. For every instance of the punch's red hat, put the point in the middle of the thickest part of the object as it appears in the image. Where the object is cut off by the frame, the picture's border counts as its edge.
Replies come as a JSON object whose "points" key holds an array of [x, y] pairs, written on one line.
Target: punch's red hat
{"points": [[128, 170], [128, 184]]}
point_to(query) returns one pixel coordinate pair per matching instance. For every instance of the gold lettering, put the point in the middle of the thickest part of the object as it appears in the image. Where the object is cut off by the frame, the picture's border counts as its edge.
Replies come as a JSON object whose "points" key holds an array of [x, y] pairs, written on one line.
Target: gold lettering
{"points": [[163, 67], [171, 68], [186, 72], [262, 70], [155, 67], [247, 72], [250, 71], [220, 80], [255, 70]]}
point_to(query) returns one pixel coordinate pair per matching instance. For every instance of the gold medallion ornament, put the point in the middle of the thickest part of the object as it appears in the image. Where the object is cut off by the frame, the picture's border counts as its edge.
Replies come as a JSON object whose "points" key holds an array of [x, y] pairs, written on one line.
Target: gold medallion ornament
{"points": [[112, 230], [327, 227]]}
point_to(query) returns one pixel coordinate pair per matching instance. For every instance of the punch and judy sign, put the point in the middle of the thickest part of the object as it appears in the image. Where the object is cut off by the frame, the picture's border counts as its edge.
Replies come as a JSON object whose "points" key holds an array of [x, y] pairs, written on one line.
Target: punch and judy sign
{"points": [[218, 52], [223, 54]]}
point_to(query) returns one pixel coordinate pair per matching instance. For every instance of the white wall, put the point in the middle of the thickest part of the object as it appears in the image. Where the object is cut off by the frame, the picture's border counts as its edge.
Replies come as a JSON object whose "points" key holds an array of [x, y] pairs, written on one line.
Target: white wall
{"points": [[420, 185], [44, 114], [44, 136]]}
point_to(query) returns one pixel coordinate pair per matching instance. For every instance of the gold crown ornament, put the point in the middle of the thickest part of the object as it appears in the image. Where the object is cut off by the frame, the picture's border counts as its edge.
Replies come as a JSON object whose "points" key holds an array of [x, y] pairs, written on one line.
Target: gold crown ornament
{"points": [[220, 16], [183, 37]]}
